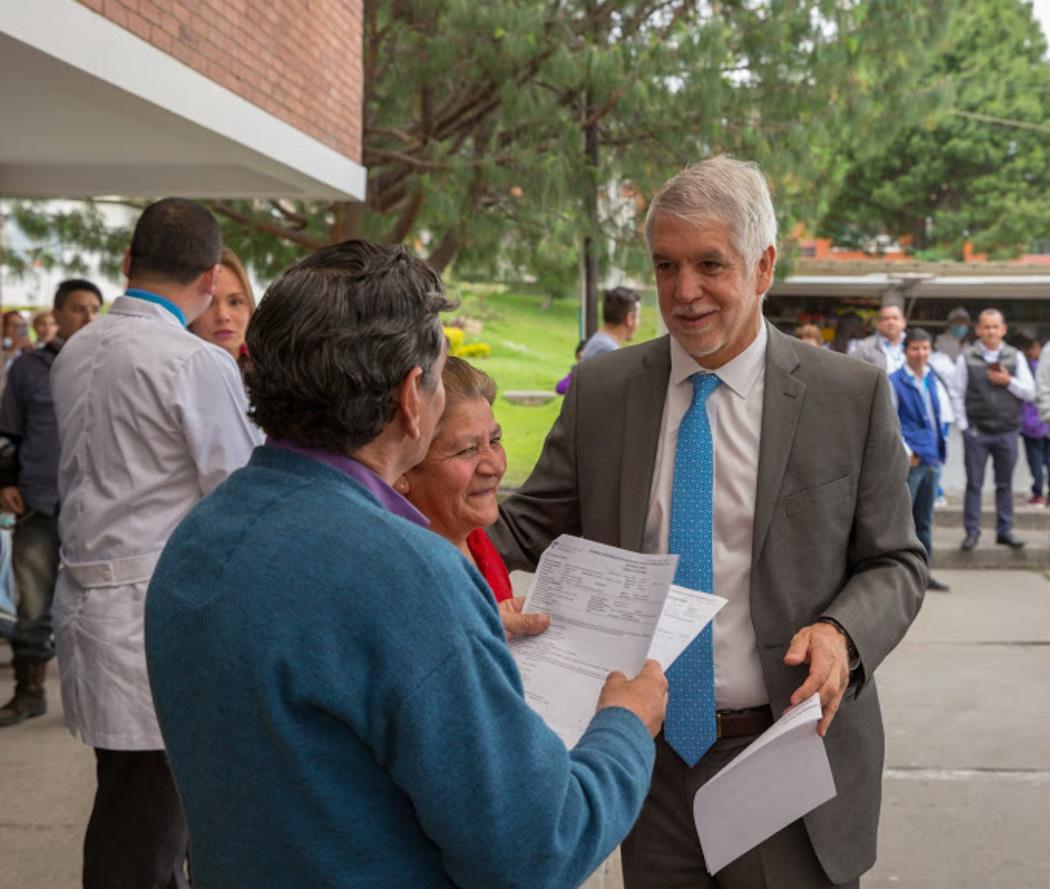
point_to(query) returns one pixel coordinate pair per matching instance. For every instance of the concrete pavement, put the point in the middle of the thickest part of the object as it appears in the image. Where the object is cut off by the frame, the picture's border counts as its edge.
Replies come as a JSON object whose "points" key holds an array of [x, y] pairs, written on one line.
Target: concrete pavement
{"points": [[967, 787]]}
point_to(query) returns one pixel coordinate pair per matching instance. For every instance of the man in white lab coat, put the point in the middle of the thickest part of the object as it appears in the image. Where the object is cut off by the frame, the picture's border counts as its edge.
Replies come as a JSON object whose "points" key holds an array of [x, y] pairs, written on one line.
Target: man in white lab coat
{"points": [[151, 419]]}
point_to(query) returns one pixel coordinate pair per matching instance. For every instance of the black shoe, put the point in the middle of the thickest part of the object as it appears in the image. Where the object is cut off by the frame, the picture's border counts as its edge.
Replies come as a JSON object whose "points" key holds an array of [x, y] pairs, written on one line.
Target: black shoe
{"points": [[1009, 539], [937, 586], [970, 540]]}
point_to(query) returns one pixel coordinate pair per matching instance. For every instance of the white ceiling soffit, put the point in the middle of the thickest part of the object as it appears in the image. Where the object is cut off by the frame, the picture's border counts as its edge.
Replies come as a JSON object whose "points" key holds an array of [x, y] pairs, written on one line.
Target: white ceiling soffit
{"points": [[945, 287], [90, 109]]}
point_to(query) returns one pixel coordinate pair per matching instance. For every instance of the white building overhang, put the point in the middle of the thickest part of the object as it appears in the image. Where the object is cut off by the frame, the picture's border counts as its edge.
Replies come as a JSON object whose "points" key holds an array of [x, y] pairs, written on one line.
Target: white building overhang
{"points": [[958, 287], [90, 109]]}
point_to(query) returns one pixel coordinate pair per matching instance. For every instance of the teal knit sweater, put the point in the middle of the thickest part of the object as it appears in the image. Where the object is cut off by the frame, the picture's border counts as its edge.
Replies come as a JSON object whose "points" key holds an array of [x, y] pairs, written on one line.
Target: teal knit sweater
{"points": [[341, 710]]}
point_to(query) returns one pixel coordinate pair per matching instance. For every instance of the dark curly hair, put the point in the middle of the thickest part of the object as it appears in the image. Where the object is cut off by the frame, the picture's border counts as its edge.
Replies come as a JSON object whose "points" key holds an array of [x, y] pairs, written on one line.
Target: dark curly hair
{"points": [[335, 336]]}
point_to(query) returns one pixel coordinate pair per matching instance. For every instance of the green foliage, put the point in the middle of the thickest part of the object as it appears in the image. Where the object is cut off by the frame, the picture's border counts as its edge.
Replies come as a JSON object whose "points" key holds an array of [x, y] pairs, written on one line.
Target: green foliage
{"points": [[475, 117], [65, 235], [533, 341], [972, 164]]}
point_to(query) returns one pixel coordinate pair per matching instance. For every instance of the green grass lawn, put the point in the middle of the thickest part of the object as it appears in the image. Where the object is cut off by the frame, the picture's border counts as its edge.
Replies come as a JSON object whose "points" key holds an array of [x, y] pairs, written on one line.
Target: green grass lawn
{"points": [[532, 339]]}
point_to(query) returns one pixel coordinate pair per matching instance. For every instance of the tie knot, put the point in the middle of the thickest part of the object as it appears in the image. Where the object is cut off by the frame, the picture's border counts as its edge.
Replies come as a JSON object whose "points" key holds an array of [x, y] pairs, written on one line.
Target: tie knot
{"points": [[704, 385]]}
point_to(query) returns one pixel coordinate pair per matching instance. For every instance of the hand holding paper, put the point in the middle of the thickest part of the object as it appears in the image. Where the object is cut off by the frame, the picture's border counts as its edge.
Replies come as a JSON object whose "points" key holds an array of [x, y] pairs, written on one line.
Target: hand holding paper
{"points": [[645, 695], [516, 623], [780, 777], [609, 609]]}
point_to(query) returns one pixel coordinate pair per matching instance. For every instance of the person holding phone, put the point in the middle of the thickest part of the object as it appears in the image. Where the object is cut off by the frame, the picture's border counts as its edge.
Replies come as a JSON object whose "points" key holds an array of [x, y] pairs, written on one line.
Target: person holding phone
{"points": [[992, 381]]}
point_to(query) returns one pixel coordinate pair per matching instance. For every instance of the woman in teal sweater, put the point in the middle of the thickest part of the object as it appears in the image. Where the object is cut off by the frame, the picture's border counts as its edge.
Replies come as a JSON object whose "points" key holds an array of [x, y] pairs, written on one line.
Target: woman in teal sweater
{"points": [[336, 696]]}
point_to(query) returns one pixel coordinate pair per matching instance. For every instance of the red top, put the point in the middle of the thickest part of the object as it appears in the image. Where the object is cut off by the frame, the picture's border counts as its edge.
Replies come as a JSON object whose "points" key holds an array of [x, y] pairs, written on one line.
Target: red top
{"points": [[490, 564]]}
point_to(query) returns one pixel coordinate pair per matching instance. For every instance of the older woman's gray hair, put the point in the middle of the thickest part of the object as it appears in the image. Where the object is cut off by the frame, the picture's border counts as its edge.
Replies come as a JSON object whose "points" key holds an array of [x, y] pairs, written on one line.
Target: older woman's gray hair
{"points": [[721, 190], [335, 336]]}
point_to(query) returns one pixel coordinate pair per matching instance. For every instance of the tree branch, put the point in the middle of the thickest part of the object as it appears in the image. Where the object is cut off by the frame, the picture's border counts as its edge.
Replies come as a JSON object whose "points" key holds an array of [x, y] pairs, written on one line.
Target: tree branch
{"points": [[291, 215], [269, 228], [610, 103], [407, 218], [400, 135], [376, 155], [446, 250]]}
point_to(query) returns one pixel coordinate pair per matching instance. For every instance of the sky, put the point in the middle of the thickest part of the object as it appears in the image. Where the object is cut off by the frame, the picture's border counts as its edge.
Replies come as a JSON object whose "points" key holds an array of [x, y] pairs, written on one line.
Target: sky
{"points": [[1042, 12]]}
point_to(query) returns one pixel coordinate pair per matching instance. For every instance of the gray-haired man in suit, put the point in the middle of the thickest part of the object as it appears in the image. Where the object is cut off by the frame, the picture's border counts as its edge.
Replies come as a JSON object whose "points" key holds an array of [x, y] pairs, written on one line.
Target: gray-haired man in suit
{"points": [[808, 530]]}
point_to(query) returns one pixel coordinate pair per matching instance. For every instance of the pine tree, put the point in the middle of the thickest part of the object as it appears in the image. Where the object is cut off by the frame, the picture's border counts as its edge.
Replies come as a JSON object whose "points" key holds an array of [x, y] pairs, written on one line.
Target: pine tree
{"points": [[477, 117]]}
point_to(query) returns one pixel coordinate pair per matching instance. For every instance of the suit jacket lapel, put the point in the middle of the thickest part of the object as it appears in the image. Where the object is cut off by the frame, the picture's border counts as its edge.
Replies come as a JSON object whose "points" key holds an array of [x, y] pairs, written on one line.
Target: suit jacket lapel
{"points": [[644, 398], [782, 403]]}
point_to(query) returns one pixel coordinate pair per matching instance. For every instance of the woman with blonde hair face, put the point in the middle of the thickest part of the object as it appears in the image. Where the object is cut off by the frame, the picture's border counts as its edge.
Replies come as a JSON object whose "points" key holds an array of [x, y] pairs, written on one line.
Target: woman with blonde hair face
{"points": [[456, 484], [225, 322], [44, 326], [810, 333]]}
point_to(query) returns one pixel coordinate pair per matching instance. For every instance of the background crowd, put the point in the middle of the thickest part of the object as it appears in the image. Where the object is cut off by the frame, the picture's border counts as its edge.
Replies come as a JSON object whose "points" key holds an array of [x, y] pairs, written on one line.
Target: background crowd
{"points": [[994, 388]]}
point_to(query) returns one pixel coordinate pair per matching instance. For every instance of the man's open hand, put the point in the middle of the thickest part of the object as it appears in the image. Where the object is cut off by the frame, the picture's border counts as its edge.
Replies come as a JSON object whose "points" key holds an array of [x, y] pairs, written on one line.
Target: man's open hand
{"points": [[823, 647], [517, 624], [645, 695]]}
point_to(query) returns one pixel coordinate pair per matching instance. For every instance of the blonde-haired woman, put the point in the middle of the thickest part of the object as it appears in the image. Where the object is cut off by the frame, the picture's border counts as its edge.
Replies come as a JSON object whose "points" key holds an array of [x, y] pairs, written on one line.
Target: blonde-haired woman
{"points": [[225, 321]]}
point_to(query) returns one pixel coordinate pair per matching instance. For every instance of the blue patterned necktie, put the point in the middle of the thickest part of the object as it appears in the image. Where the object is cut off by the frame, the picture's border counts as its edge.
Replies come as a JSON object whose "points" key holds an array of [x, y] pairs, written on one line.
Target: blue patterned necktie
{"points": [[690, 723]]}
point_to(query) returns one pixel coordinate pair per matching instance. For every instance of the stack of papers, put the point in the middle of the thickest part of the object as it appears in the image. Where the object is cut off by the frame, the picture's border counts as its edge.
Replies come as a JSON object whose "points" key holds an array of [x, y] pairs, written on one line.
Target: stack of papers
{"points": [[777, 779], [610, 609]]}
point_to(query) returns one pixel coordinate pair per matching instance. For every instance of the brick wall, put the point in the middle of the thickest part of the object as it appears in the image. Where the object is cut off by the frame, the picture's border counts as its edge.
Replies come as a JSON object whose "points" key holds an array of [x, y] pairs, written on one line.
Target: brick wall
{"points": [[299, 60]]}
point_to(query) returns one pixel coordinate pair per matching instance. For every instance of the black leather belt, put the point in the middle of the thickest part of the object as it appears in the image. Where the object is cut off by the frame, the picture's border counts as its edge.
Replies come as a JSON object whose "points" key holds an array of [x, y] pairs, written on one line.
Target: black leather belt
{"points": [[740, 723]]}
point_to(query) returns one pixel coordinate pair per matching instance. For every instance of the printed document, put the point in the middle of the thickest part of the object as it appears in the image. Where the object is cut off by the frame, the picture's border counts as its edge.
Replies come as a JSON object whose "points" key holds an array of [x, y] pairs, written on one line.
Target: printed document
{"points": [[780, 777], [610, 609]]}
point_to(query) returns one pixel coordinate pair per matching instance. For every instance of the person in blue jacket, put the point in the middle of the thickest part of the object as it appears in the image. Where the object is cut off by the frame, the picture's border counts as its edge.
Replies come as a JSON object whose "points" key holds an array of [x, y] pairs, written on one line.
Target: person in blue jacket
{"points": [[919, 395], [332, 680]]}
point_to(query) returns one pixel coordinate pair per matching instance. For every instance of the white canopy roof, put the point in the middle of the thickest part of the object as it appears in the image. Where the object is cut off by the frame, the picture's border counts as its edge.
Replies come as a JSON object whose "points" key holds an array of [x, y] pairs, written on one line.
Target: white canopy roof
{"points": [[90, 109]]}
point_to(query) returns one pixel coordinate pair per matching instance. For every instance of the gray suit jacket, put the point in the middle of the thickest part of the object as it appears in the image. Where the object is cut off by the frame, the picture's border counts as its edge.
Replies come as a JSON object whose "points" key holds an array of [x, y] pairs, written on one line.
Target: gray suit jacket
{"points": [[870, 350], [833, 532]]}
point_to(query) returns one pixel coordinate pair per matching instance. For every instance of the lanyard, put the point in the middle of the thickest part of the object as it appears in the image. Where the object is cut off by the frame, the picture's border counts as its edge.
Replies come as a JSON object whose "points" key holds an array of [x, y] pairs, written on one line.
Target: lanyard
{"points": [[159, 301]]}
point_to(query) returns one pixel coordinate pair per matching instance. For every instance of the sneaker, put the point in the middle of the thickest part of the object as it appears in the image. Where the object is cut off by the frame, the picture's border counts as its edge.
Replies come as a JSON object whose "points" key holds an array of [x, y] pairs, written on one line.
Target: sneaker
{"points": [[1036, 500], [941, 502], [937, 586]]}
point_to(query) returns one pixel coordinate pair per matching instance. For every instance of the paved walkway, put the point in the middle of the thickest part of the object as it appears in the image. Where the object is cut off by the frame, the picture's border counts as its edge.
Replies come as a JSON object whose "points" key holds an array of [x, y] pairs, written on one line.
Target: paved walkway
{"points": [[967, 789]]}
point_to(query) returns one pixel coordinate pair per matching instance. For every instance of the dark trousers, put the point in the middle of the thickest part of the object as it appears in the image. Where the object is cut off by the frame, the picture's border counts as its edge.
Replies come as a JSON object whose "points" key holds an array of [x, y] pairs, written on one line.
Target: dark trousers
{"points": [[1002, 448], [663, 850], [1037, 450], [34, 558], [136, 838], [922, 485]]}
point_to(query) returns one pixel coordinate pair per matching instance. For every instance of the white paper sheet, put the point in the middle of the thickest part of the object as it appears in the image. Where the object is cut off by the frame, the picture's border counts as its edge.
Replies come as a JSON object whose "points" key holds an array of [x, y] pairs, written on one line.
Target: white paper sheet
{"points": [[780, 777], [606, 605], [684, 612]]}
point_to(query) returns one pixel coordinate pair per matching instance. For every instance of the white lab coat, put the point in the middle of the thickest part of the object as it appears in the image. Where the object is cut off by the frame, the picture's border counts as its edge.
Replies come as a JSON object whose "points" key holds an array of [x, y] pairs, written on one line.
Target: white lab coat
{"points": [[151, 419]]}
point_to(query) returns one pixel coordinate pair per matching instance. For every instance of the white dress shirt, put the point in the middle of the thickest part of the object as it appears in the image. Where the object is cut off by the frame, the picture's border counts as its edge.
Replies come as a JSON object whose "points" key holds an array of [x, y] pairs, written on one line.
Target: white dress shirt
{"points": [[1021, 386], [894, 353], [944, 366], [735, 413], [151, 419]]}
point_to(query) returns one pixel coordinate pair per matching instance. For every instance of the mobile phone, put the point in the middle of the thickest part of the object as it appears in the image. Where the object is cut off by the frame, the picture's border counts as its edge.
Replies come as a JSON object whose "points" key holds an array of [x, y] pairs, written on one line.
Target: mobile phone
{"points": [[996, 365]]}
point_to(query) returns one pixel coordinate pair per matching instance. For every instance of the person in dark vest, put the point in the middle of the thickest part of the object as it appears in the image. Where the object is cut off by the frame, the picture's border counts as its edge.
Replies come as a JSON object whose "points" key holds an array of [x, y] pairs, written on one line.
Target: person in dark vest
{"points": [[918, 395], [992, 381]]}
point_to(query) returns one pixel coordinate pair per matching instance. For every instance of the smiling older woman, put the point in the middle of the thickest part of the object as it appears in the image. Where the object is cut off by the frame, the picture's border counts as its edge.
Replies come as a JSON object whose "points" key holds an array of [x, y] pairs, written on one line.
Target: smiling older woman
{"points": [[456, 484]]}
